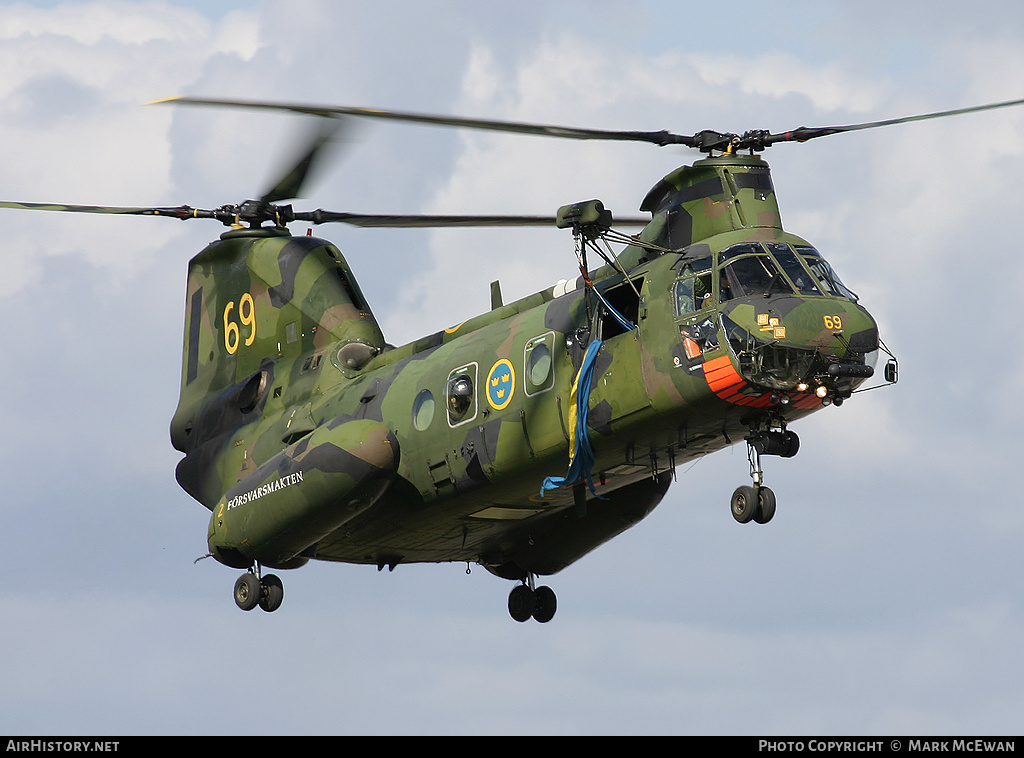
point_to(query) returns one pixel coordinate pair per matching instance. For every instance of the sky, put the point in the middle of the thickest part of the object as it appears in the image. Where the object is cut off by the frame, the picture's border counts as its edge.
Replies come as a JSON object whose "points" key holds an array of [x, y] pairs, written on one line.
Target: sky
{"points": [[883, 599]]}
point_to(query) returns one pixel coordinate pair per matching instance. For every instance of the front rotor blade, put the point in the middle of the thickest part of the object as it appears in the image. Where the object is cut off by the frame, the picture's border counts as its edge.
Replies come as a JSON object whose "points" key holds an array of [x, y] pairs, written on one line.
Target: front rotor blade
{"points": [[428, 221], [657, 138], [805, 133]]}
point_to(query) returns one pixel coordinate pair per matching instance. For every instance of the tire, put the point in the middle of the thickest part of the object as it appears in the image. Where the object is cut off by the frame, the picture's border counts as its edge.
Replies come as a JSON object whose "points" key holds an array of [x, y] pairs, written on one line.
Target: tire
{"points": [[545, 604], [247, 591], [766, 505], [521, 603], [744, 504], [273, 593]]}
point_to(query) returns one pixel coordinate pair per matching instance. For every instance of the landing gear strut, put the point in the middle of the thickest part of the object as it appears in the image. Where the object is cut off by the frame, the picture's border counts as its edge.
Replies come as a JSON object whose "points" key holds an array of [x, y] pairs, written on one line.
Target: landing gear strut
{"points": [[252, 590], [525, 601], [757, 502]]}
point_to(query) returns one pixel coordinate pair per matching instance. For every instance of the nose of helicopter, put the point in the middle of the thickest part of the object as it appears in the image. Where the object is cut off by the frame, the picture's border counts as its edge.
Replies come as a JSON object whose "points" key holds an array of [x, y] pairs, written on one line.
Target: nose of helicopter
{"points": [[798, 344]]}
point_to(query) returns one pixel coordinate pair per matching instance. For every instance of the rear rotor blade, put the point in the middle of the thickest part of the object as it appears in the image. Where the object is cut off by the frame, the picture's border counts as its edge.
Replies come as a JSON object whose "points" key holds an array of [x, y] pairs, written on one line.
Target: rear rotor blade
{"points": [[182, 211], [435, 221], [291, 182], [257, 212]]}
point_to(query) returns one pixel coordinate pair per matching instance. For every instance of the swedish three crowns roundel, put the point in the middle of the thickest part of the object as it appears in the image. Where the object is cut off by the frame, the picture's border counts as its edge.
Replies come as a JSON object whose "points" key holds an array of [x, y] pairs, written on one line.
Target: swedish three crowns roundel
{"points": [[501, 384]]}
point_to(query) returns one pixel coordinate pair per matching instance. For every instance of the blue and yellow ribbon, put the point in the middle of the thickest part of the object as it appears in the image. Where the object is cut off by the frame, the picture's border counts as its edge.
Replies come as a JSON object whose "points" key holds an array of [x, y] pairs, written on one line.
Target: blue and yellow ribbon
{"points": [[581, 454]]}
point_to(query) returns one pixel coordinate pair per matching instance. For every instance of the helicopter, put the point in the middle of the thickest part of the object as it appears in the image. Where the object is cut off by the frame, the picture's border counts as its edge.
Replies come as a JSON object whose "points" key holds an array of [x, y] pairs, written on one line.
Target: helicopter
{"points": [[527, 436]]}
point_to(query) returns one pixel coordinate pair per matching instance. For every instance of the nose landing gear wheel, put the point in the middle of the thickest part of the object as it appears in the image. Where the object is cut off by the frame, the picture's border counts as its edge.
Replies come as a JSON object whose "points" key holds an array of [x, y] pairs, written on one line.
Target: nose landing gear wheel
{"points": [[753, 504], [757, 503], [744, 504], [765, 505]]}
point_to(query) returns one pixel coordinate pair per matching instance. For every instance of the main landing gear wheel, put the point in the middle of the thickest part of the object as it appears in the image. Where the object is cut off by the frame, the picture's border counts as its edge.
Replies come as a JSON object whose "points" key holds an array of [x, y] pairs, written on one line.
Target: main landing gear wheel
{"points": [[251, 590], [247, 591], [521, 603], [545, 604], [273, 593], [525, 602]]}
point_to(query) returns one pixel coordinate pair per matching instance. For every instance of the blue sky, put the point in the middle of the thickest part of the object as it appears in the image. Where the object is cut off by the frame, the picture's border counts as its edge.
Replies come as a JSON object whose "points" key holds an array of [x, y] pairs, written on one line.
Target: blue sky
{"points": [[882, 599]]}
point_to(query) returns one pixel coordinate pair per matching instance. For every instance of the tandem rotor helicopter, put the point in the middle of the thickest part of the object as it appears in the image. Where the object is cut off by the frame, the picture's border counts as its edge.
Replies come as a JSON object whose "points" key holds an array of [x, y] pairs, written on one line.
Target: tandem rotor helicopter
{"points": [[527, 436]]}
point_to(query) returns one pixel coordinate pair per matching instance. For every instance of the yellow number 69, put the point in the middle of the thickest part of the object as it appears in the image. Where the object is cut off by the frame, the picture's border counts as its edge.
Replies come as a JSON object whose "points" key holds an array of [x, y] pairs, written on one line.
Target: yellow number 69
{"points": [[247, 315]]}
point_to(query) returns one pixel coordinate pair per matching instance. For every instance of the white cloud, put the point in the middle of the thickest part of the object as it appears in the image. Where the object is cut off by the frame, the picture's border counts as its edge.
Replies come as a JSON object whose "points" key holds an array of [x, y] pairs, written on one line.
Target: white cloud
{"points": [[777, 74], [76, 78]]}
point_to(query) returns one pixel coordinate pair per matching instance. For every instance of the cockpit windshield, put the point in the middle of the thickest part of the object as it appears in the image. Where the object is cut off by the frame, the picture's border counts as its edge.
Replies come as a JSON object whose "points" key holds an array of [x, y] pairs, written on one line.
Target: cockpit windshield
{"points": [[775, 268], [826, 275], [752, 275], [754, 269], [797, 274]]}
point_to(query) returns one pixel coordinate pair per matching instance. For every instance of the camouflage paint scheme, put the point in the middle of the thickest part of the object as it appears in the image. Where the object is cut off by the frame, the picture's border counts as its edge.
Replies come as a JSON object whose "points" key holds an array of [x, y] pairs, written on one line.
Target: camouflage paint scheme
{"points": [[307, 436]]}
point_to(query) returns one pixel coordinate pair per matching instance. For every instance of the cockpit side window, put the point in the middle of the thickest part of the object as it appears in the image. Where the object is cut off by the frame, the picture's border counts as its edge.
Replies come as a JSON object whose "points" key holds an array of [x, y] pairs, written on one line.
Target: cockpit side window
{"points": [[692, 294], [693, 288]]}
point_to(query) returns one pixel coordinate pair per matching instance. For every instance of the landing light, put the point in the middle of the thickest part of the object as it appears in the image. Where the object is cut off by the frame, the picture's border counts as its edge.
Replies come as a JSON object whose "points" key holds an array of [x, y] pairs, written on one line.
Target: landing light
{"points": [[821, 391]]}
